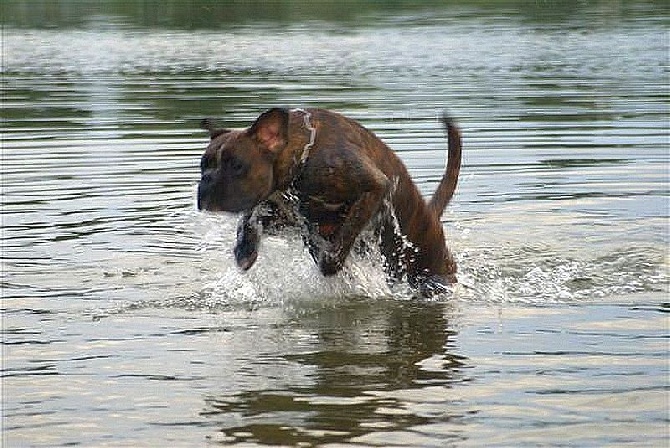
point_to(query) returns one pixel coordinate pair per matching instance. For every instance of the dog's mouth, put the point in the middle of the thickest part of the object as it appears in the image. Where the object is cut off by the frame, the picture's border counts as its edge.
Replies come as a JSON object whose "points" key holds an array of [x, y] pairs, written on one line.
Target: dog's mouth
{"points": [[212, 203], [215, 208], [226, 197], [208, 207], [205, 201], [205, 205]]}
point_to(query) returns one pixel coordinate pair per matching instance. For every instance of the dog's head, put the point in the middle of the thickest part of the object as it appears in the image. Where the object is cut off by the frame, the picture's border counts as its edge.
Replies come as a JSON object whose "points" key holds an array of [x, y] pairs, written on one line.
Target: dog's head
{"points": [[237, 169]]}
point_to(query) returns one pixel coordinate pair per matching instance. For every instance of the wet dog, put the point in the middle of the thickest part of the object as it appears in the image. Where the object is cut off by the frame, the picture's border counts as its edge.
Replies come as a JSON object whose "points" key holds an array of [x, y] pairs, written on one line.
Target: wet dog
{"points": [[334, 178]]}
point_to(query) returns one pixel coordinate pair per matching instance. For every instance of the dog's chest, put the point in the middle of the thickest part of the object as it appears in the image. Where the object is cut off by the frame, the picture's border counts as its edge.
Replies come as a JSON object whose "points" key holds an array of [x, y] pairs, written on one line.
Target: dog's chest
{"points": [[324, 215], [319, 209], [319, 200]]}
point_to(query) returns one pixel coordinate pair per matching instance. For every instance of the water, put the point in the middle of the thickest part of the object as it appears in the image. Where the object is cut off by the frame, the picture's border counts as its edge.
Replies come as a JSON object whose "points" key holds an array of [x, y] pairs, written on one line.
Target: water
{"points": [[126, 323]]}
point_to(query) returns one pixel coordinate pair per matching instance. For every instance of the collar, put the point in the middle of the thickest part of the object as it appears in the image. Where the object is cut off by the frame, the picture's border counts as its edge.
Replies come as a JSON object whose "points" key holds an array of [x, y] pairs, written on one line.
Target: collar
{"points": [[307, 116], [289, 167]]}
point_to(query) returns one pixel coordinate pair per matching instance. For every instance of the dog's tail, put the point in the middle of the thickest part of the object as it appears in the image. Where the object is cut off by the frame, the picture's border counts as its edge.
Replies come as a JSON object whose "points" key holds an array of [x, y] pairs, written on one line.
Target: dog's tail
{"points": [[447, 186]]}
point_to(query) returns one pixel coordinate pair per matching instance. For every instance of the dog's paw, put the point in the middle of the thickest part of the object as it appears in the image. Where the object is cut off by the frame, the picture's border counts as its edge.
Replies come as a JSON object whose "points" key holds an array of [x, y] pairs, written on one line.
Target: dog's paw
{"points": [[330, 263], [435, 285], [246, 248], [245, 257], [248, 239]]}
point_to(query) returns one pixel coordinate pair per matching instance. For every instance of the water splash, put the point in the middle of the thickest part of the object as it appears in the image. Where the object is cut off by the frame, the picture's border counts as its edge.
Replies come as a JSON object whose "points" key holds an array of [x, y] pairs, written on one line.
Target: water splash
{"points": [[284, 269], [524, 273], [285, 273], [535, 274]]}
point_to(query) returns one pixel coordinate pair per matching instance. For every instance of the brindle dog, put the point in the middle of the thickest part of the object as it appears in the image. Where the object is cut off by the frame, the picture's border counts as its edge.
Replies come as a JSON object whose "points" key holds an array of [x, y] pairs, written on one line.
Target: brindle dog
{"points": [[330, 175]]}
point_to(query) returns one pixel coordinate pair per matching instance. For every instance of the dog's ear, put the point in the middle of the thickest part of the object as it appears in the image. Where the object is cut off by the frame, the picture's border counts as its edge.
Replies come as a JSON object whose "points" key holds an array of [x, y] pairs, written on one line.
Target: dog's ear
{"points": [[209, 125], [271, 129]]}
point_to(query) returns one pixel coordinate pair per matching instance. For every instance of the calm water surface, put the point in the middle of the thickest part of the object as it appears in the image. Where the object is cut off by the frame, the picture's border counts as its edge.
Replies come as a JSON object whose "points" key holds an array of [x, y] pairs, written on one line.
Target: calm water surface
{"points": [[126, 323]]}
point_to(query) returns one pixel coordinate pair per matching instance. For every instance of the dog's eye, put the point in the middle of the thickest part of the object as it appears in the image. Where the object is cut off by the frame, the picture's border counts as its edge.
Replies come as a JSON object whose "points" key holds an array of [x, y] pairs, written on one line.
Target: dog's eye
{"points": [[236, 167]]}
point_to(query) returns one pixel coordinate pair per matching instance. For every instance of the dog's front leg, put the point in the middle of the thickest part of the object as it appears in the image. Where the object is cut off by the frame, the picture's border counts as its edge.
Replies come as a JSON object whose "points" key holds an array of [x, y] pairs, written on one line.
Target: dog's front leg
{"points": [[331, 259], [248, 239]]}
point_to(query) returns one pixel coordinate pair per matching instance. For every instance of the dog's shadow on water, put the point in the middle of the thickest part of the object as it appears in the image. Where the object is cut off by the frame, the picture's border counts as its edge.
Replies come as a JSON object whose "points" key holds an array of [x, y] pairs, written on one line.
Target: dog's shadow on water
{"points": [[369, 365]]}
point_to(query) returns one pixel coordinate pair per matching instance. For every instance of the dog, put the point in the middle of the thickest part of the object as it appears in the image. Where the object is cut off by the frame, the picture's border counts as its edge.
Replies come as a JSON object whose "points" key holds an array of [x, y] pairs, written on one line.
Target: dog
{"points": [[334, 178]]}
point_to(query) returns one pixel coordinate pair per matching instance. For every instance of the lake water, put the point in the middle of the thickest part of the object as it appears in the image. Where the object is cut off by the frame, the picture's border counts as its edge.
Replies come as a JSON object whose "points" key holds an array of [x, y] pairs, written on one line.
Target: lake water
{"points": [[126, 323]]}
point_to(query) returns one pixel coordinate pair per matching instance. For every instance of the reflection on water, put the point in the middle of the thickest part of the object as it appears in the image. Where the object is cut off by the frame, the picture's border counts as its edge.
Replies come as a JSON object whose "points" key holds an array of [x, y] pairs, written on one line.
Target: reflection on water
{"points": [[125, 321], [363, 349]]}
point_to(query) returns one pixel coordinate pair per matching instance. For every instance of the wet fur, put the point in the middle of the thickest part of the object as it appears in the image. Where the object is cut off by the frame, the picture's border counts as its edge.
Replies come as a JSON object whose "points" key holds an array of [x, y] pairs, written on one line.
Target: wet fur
{"points": [[349, 181]]}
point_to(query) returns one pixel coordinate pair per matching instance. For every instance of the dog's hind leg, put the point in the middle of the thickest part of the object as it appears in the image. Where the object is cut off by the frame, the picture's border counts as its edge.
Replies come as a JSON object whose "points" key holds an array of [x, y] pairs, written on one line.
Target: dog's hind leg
{"points": [[434, 285]]}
